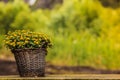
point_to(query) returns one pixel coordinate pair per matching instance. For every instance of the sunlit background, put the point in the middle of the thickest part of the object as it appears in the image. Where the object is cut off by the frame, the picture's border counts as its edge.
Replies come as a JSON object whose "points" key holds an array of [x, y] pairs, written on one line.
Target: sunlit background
{"points": [[83, 32]]}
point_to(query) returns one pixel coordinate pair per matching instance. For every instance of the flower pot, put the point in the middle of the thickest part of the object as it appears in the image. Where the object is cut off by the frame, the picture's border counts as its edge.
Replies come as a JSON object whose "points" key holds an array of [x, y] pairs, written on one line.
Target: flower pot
{"points": [[30, 62]]}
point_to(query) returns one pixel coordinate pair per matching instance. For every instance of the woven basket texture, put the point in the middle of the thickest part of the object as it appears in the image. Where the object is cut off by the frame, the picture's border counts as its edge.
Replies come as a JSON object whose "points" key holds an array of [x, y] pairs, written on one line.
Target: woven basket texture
{"points": [[30, 62]]}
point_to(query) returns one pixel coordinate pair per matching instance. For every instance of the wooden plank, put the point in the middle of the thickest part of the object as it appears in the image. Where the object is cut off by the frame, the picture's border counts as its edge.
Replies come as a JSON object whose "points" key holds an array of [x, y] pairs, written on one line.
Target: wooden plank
{"points": [[66, 76]]}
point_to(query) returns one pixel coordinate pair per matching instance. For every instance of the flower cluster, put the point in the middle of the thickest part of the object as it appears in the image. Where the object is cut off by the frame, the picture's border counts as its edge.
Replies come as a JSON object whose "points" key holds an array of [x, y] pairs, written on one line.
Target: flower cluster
{"points": [[21, 39]]}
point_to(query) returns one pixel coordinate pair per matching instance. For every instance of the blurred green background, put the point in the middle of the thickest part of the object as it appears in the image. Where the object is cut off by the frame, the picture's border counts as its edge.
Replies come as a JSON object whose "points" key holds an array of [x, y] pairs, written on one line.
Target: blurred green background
{"points": [[83, 32]]}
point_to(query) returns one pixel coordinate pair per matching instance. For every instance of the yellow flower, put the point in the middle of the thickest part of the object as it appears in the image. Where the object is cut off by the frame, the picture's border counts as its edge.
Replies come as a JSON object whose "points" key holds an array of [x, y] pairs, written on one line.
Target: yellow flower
{"points": [[6, 42], [27, 38], [36, 42], [8, 37], [21, 38], [23, 35], [14, 35], [14, 40], [18, 43], [13, 44], [26, 41]]}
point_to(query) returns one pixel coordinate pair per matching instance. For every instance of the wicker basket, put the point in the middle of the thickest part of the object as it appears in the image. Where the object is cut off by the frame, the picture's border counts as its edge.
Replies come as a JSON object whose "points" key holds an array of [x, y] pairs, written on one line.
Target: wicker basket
{"points": [[30, 62]]}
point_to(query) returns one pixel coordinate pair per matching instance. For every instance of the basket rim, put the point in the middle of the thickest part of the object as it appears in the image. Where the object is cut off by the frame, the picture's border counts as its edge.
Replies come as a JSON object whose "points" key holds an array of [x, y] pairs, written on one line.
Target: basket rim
{"points": [[29, 49]]}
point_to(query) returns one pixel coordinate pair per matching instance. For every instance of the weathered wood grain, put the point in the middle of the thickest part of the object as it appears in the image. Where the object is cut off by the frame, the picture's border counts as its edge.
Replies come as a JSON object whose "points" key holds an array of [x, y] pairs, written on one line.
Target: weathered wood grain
{"points": [[67, 76]]}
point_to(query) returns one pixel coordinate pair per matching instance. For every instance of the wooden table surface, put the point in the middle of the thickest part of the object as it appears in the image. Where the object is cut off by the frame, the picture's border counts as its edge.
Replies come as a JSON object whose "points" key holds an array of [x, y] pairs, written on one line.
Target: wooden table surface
{"points": [[66, 76]]}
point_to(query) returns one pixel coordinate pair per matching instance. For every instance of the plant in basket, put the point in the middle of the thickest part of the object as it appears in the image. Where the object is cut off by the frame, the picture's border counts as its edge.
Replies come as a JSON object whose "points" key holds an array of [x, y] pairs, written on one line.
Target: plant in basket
{"points": [[29, 49]]}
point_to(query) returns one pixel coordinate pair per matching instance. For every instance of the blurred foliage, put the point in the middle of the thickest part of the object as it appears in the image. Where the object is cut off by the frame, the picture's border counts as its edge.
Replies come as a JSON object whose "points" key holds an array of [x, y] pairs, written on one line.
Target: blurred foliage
{"points": [[1, 40], [83, 31], [77, 15], [8, 13]]}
